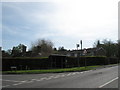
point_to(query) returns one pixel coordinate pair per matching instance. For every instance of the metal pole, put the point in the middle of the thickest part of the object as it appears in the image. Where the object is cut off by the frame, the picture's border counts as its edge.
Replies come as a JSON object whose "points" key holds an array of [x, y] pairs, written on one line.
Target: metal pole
{"points": [[77, 55], [81, 46], [85, 62]]}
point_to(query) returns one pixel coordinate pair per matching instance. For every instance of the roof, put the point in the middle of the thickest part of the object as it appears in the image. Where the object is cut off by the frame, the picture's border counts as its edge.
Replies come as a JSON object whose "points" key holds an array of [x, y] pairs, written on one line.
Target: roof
{"points": [[58, 55]]}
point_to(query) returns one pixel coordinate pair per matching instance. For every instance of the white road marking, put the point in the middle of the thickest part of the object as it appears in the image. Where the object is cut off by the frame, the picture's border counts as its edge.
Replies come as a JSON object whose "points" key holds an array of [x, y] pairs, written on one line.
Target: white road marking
{"points": [[69, 74], [43, 78], [17, 84], [34, 79], [90, 70], [23, 81], [62, 75], [51, 76], [11, 80], [5, 86], [86, 71], [29, 82], [73, 74], [39, 80], [77, 72], [108, 82], [56, 77]]}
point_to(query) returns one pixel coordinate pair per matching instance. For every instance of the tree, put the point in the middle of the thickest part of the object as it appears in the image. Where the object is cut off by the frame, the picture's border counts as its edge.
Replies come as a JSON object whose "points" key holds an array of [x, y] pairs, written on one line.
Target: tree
{"points": [[97, 43], [108, 45], [9, 51], [42, 47], [5, 54], [19, 50], [55, 49], [62, 49]]}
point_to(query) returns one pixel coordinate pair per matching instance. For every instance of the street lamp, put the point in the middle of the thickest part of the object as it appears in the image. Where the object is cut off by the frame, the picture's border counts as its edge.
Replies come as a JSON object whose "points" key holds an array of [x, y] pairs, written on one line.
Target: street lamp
{"points": [[77, 45], [77, 54], [84, 53], [81, 46]]}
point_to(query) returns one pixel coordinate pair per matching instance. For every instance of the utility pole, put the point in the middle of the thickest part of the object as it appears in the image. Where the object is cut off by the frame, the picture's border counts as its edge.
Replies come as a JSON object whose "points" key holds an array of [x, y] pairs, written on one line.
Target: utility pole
{"points": [[77, 45], [81, 46], [78, 55]]}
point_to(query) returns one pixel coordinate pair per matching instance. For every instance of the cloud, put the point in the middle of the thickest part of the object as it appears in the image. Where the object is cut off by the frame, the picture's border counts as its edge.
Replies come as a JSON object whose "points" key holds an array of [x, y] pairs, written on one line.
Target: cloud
{"points": [[64, 22]]}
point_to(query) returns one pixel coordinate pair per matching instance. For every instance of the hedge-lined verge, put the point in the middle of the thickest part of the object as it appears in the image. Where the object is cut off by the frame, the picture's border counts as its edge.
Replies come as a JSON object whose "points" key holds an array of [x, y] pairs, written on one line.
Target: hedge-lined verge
{"points": [[54, 62], [50, 70]]}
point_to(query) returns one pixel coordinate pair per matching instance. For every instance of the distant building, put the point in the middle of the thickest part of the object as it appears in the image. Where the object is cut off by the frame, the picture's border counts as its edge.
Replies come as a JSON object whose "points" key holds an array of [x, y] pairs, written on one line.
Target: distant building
{"points": [[85, 52]]}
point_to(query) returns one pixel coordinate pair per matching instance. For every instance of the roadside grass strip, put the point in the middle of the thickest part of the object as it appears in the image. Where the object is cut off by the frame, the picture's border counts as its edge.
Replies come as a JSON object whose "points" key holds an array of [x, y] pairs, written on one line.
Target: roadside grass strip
{"points": [[50, 70]]}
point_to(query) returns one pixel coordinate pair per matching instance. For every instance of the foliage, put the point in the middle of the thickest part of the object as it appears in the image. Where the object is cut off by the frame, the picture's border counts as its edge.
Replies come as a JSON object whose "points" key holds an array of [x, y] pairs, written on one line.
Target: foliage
{"points": [[62, 49], [50, 70], [108, 45], [42, 47], [18, 50], [5, 54], [29, 63]]}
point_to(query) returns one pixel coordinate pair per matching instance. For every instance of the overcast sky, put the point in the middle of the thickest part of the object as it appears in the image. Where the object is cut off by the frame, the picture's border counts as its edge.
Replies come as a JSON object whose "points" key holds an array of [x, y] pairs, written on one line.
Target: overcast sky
{"points": [[64, 22]]}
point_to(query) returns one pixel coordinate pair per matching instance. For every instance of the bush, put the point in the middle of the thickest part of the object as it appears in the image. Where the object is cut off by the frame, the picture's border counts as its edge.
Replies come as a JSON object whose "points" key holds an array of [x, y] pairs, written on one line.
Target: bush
{"points": [[25, 63], [32, 63]]}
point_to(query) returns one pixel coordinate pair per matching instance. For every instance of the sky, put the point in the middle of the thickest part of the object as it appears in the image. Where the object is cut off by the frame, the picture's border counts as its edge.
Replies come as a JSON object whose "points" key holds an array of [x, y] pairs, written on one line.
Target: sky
{"points": [[64, 22]]}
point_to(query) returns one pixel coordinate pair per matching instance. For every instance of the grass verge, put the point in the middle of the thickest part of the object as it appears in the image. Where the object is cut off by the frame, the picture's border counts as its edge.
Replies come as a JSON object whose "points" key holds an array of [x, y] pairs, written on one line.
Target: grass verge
{"points": [[50, 70]]}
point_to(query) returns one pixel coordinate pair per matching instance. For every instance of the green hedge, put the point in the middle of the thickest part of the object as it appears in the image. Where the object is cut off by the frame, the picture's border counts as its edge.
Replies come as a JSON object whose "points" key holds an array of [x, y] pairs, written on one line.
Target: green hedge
{"points": [[90, 60], [32, 63], [25, 63]]}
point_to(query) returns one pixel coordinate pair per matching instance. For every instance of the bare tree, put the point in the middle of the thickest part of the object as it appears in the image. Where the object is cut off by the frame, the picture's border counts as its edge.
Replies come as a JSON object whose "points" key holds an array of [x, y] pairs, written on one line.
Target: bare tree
{"points": [[97, 43], [42, 47]]}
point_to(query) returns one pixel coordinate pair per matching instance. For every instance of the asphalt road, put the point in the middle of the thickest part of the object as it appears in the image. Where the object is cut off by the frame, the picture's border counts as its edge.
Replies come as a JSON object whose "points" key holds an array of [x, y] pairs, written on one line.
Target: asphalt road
{"points": [[99, 78]]}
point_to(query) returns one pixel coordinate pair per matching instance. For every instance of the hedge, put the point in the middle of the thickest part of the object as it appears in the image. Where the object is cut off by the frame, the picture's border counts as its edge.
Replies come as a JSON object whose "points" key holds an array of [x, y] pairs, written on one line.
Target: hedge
{"points": [[25, 63], [28, 63]]}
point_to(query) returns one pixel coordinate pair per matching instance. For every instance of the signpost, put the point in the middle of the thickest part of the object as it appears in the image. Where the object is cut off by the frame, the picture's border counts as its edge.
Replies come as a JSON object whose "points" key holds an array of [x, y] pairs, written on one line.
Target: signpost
{"points": [[84, 53], [78, 55], [81, 46]]}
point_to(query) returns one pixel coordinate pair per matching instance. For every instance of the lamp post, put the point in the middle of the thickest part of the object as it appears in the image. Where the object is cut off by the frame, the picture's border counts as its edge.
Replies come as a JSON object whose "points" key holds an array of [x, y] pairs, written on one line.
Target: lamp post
{"points": [[77, 55], [81, 46], [77, 45], [84, 53]]}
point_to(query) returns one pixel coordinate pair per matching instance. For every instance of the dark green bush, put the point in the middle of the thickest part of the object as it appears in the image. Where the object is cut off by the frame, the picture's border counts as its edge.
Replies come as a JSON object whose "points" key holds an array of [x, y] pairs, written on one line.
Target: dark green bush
{"points": [[31, 63]]}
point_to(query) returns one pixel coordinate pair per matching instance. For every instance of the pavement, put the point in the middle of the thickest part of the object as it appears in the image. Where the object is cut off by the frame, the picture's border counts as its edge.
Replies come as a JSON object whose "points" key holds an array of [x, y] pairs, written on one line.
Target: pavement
{"points": [[105, 77]]}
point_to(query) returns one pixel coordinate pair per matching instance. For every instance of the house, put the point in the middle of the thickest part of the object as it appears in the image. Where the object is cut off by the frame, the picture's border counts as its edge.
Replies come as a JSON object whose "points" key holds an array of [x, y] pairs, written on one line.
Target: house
{"points": [[85, 52]]}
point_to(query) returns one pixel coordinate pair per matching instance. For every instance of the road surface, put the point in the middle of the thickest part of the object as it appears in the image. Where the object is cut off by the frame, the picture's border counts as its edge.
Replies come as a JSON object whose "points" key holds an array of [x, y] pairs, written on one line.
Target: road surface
{"points": [[99, 78]]}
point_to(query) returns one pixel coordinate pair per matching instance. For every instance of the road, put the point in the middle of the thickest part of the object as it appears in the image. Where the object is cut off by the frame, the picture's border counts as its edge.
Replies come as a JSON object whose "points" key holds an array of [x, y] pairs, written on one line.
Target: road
{"points": [[99, 78]]}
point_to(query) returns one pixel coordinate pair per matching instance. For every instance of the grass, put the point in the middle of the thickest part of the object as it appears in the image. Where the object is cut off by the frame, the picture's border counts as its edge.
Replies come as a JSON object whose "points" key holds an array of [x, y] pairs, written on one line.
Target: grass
{"points": [[50, 70], [26, 57]]}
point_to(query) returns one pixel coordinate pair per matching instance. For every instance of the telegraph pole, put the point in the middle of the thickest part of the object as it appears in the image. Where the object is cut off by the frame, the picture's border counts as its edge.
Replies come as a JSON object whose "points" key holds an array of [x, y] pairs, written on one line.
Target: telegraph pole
{"points": [[81, 46], [77, 45], [78, 55]]}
